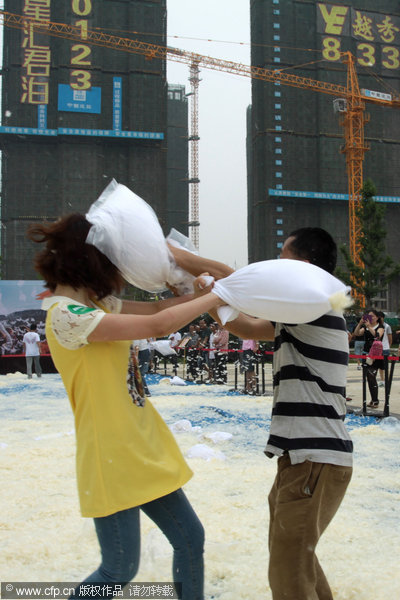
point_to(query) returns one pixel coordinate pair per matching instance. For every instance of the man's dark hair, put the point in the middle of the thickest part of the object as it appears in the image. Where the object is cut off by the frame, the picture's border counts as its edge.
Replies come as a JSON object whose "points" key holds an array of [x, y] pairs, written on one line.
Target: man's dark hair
{"points": [[68, 260], [315, 245], [33, 327]]}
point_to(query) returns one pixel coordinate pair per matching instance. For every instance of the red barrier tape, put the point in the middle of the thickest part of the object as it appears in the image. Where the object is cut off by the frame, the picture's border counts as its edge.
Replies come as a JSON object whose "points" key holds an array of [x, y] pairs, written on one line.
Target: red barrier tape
{"points": [[269, 352]]}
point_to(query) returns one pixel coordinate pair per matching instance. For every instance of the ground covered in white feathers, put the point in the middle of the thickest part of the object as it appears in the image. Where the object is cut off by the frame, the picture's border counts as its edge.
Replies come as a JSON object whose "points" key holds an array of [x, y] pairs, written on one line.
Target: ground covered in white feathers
{"points": [[43, 537]]}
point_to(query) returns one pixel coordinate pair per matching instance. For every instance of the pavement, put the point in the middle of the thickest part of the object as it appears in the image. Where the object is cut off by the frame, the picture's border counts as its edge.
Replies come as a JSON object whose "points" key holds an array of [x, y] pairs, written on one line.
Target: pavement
{"points": [[354, 388], [355, 392]]}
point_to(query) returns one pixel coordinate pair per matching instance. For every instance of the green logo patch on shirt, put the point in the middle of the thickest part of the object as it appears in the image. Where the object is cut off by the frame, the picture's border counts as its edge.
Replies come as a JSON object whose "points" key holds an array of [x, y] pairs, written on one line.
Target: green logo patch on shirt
{"points": [[79, 310]]}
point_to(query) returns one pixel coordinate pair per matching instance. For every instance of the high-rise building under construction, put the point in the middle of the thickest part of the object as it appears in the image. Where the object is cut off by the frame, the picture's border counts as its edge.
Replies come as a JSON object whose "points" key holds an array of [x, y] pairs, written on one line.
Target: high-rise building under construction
{"points": [[76, 115], [297, 173]]}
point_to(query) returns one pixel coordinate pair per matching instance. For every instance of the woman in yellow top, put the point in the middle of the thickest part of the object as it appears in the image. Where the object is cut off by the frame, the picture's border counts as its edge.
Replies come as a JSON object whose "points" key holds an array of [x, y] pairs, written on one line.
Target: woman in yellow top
{"points": [[127, 460]]}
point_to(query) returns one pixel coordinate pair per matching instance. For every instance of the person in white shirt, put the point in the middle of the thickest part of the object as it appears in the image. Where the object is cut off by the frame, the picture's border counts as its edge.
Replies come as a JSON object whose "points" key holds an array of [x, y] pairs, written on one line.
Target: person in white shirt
{"points": [[174, 341], [31, 341]]}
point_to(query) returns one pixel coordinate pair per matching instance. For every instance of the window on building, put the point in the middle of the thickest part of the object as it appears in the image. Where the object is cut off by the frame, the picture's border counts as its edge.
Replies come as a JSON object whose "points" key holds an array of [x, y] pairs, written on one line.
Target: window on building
{"points": [[279, 245], [279, 186], [277, 59], [278, 117], [276, 11], [276, 26], [279, 232], [278, 174], [279, 209], [277, 94], [278, 163], [279, 221], [278, 106], [277, 38], [278, 139], [278, 150], [278, 127]]}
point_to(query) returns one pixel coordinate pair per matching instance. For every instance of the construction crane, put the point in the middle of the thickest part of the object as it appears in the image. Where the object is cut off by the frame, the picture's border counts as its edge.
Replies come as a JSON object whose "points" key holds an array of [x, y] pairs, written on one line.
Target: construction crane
{"points": [[194, 139], [353, 107]]}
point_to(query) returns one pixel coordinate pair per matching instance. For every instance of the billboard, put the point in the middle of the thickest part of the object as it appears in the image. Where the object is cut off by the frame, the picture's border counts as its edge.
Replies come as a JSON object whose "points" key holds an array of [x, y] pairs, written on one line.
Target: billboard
{"points": [[20, 306], [376, 35]]}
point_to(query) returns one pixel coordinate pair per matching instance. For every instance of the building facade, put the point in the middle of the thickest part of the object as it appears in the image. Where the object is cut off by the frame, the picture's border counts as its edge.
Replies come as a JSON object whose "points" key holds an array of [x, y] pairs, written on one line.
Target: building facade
{"points": [[177, 213], [298, 173], [76, 116]]}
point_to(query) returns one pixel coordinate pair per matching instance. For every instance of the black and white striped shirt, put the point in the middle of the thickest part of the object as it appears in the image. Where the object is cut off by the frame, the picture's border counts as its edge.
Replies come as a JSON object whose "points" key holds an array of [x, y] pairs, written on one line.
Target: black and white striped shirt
{"points": [[310, 369]]}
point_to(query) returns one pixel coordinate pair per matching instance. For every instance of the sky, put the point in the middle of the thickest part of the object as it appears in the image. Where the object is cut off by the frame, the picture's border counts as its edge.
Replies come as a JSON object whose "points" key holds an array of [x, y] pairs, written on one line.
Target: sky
{"points": [[223, 100], [19, 295]]}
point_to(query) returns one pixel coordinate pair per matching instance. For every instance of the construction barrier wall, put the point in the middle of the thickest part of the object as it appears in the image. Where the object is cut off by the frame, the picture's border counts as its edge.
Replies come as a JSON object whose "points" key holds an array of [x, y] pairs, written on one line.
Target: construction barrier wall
{"points": [[76, 116]]}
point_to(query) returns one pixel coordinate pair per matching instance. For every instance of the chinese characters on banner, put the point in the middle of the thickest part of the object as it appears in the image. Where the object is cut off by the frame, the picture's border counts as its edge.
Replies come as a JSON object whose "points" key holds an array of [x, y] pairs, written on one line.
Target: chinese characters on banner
{"points": [[36, 56], [81, 54], [372, 31]]}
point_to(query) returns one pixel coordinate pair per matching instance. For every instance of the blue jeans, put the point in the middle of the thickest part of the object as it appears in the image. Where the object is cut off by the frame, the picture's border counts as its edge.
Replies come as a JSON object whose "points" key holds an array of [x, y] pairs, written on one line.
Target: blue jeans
{"points": [[119, 538]]}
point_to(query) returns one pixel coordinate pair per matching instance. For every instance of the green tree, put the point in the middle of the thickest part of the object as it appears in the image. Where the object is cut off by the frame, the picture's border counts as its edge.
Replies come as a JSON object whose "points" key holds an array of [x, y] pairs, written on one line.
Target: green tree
{"points": [[379, 268]]}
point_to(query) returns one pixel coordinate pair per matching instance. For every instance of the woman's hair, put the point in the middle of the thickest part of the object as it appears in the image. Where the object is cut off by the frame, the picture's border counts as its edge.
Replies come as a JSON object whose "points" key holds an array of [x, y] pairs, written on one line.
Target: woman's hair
{"points": [[377, 313], [68, 260], [315, 245]]}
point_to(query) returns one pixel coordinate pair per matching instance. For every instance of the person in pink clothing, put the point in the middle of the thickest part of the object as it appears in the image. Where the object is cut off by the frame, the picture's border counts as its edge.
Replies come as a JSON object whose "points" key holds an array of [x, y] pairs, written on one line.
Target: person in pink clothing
{"points": [[249, 348]]}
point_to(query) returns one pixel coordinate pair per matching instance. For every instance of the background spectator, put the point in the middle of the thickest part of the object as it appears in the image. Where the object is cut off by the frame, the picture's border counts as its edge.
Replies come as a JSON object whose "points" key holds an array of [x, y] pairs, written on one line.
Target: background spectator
{"points": [[31, 342], [204, 338], [249, 348], [221, 342], [386, 343]]}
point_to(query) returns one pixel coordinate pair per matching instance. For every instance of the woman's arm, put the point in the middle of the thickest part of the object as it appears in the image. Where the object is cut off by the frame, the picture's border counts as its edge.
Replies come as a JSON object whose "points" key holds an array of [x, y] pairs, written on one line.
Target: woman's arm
{"points": [[128, 326], [359, 330]]}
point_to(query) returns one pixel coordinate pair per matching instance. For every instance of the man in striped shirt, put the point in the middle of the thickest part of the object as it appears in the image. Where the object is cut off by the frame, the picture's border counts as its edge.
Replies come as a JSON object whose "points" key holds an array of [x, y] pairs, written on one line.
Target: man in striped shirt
{"points": [[307, 431]]}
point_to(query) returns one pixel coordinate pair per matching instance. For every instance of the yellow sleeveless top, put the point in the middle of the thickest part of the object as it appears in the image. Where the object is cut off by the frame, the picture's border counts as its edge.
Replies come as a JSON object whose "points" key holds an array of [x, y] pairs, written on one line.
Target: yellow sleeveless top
{"points": [[126, 455]]}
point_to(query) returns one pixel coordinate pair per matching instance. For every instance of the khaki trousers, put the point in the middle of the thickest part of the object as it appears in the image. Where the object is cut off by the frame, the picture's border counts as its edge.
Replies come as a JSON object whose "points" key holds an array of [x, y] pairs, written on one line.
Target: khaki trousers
{"points": [[303, 500]]}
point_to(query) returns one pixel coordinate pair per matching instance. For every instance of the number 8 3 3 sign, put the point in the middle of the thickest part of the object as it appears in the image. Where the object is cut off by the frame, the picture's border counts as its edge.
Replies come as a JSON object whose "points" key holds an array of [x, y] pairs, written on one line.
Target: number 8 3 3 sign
{"points": [[376, 35]]}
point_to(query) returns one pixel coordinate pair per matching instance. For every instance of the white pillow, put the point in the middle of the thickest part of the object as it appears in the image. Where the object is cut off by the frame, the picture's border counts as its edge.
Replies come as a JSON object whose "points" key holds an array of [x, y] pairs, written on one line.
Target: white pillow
{"points": [[283, 290], [126, 229], [163, 347]]}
